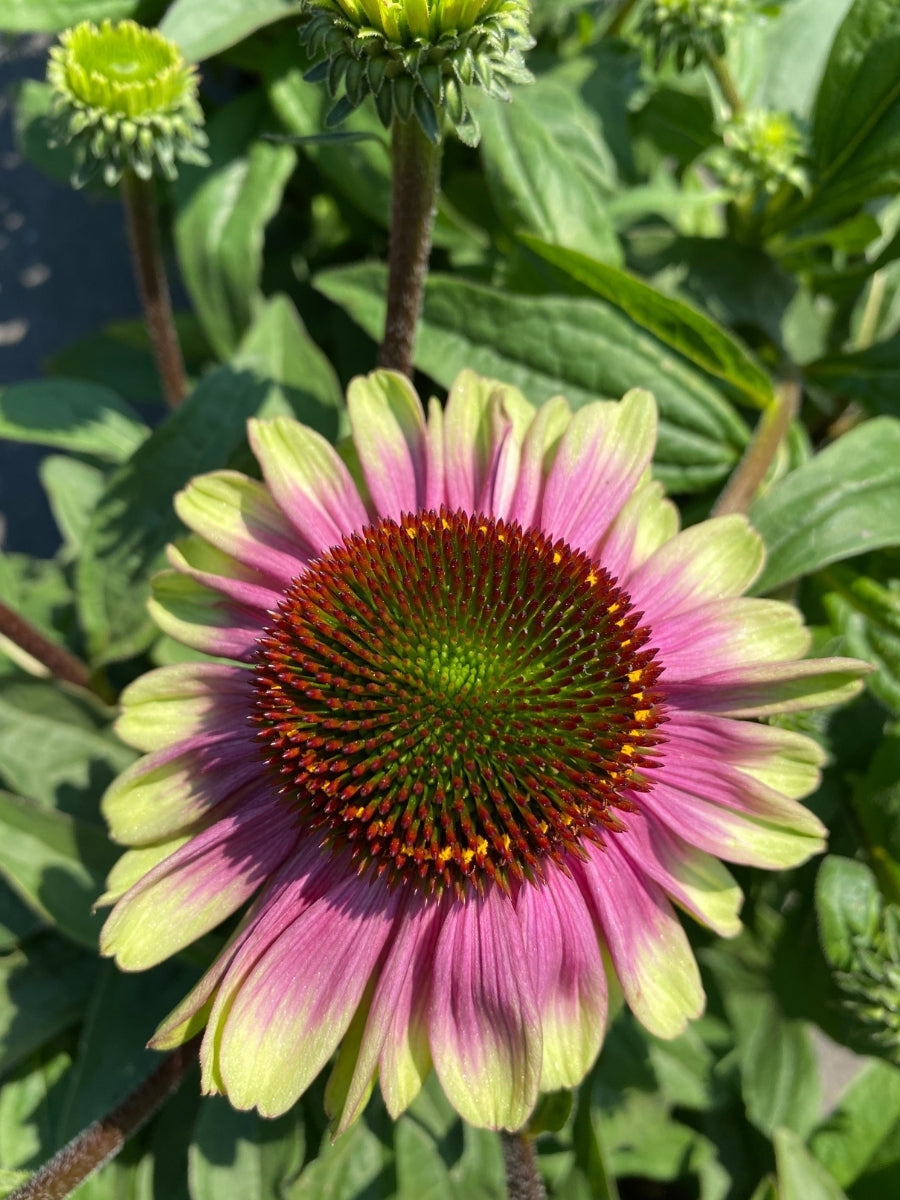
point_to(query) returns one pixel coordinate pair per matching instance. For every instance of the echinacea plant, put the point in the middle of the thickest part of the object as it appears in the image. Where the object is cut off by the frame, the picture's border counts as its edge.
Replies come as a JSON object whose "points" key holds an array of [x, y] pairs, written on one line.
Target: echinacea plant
{"points": [[488, 716], [416, 58], [127, 100]]}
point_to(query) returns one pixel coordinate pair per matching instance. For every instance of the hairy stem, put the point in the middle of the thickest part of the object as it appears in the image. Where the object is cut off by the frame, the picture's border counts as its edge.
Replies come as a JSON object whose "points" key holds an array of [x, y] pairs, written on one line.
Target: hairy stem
{"points": [[66, 666], [416, 181], [143, 234], [760, 454], [523, 1180], [102, 1140], [727, 86]]}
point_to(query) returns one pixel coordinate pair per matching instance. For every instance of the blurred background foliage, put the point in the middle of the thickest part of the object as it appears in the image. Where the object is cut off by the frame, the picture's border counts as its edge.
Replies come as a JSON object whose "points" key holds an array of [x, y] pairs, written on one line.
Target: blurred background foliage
{"points": [[625, 221]]}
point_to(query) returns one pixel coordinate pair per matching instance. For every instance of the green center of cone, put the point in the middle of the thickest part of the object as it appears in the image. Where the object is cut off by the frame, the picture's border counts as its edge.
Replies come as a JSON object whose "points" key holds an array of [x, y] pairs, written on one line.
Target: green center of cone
{"points": [[456, 699]]}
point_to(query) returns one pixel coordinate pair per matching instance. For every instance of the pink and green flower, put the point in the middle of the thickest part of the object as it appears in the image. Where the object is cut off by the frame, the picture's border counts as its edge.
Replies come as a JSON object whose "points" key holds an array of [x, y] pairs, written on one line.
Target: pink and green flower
{"points": [[488, 720]]}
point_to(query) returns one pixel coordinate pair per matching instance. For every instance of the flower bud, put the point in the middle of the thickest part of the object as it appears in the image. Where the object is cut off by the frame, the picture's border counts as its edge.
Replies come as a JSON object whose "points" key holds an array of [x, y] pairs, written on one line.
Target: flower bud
{"points": [[127, 100], [417, 57]]}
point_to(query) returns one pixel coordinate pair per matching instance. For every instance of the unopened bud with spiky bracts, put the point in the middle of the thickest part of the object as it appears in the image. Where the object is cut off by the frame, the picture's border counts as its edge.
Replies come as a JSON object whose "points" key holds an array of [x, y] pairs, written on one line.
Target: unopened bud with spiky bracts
{"points": [[127, 100], [417, 57], [691, 31], [761, 151]]}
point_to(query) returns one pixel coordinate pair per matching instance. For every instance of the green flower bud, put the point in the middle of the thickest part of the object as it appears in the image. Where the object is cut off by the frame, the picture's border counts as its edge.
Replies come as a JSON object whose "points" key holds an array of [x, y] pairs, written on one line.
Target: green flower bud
{"points": [[691, 31], [761, 151], [417, 57], [872, 986], [127, 100]]}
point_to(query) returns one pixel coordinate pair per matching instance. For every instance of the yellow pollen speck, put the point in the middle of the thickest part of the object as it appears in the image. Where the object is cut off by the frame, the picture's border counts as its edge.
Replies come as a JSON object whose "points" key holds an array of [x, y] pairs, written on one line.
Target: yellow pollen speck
{"points": [[468, 855], [627, 749], [643, 714], [614, 608], [634, 677], [445, 855], [411, 533], [592, 579], [557, 557], [483, 845]]}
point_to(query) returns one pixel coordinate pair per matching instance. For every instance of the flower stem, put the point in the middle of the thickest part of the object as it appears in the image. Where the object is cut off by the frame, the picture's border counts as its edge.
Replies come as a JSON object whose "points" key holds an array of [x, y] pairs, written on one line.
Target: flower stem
{"points": [[751, 470], [416, 181], [66, 666], [102, 1140], [726, 83], [523, 1180], [139, 199]]}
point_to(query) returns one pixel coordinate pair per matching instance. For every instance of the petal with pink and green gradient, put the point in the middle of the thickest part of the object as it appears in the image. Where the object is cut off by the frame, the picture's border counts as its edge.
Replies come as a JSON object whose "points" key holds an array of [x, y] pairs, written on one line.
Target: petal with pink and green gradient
{"points": [[394, 1039], [484, 1024], [696, 881], [779, 758], [649, 950], [715, 560], [538, 447], [647, 521], [204, 619], [389, 432], [476, 421], [764, 691], [758, 828], [238, 516], [133, 865], [279, 1024], [186, 700], [198, 886], [166, 792], [727, 634], [309, 482], [599, 461], [568, 976], [196, 558], [305, 875]]}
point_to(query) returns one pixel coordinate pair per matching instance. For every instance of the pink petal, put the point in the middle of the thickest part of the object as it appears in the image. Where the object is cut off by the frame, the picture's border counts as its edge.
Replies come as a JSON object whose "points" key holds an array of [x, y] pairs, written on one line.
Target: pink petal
{"points": [[568, 976], [484, 1024], [279, 1024], [651, 955], [389, 433]]}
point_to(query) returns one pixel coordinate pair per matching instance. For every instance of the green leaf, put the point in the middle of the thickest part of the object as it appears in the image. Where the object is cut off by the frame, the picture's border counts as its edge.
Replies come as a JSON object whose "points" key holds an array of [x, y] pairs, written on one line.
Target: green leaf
{"points": [[866, 614], [871, 377], [51, 750], [17, 921], [221, 215], [135, 519], [39, 589], [112, 1058], [794, 49], [421, 1172], [800, 1176], [73, 489], [581, 347], [50, 16], [848, 904], [548, 167], [34, 133], [866, 1121], [55, 863], [779, 1074], [679, 325], [242, 1154], [119, 357], [861, 82], [358, 1166], [202, 30], [302, 382], [28, 1109], [43, 990], [838, 505], [79, 417]]}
